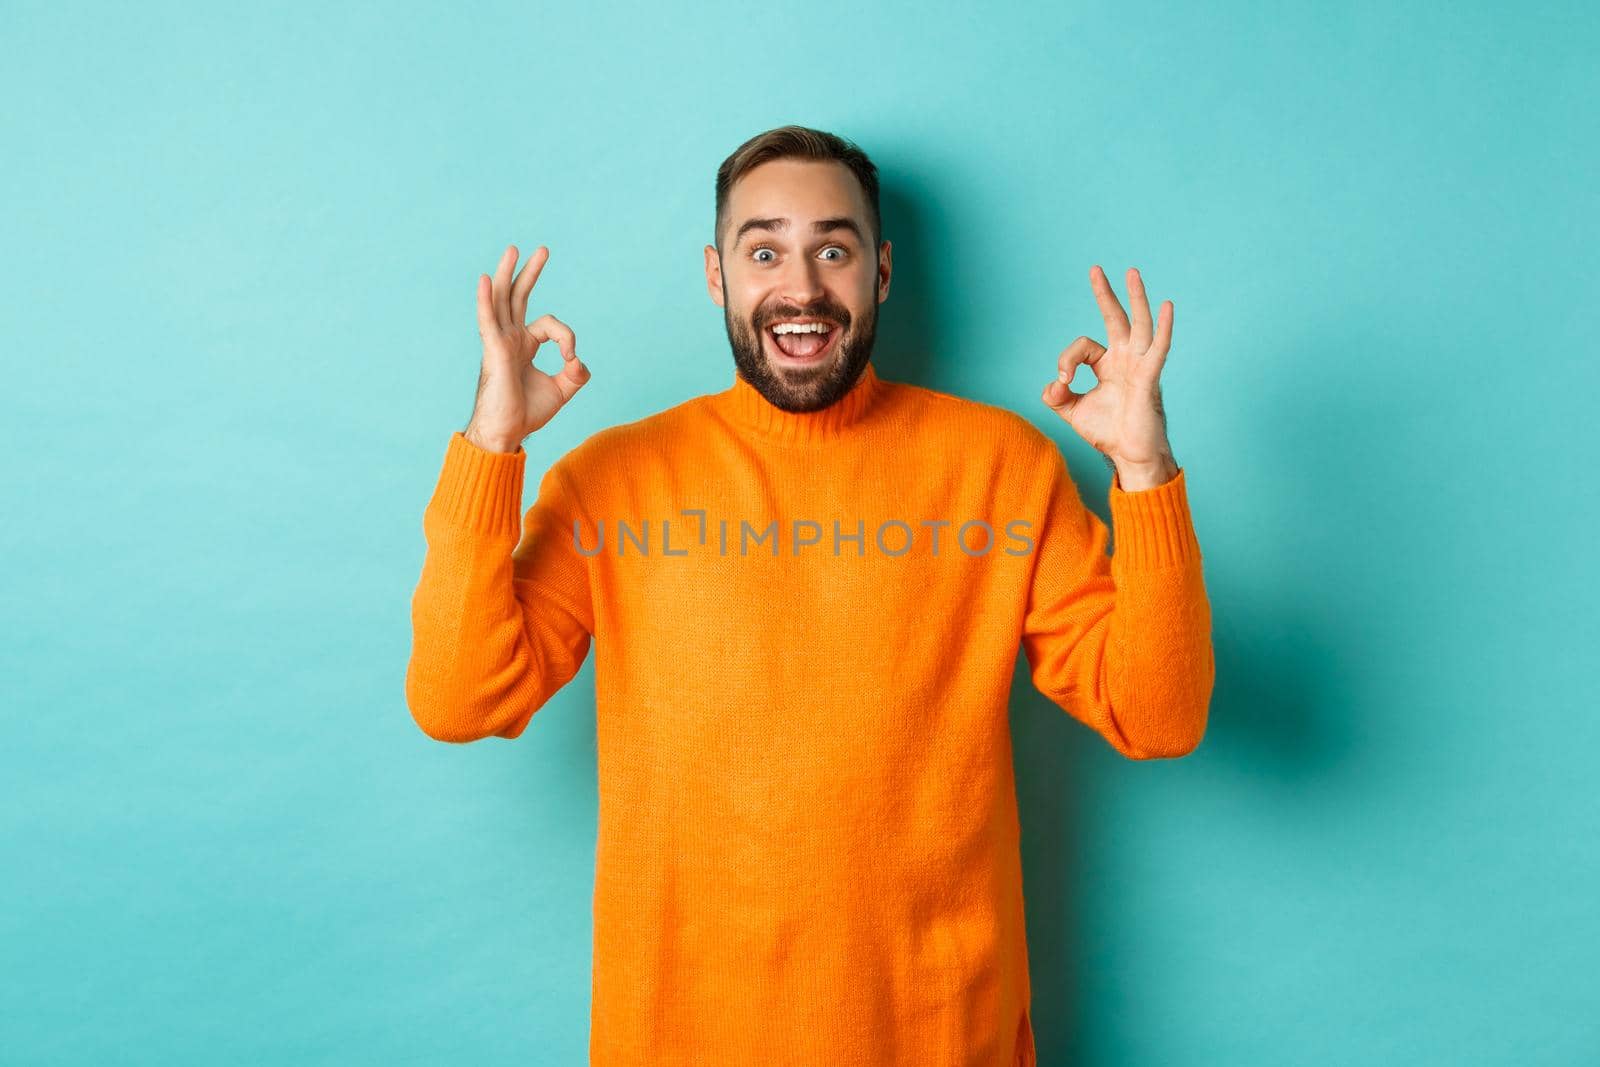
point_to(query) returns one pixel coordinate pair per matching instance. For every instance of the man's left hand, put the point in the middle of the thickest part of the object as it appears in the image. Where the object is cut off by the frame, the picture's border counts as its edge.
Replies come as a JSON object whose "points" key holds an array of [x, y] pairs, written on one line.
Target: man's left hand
{"points": [[1121, 416]]}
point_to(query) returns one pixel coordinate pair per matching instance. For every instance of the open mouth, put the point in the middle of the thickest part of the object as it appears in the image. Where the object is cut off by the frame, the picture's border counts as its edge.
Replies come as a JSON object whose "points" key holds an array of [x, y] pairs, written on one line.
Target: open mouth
{"points": [[813, 343]]}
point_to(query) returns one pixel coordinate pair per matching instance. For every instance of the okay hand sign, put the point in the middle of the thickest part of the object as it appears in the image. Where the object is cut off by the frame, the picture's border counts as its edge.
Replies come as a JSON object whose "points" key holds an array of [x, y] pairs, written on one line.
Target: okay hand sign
{"points": [[1121, 416], [515, 398]]}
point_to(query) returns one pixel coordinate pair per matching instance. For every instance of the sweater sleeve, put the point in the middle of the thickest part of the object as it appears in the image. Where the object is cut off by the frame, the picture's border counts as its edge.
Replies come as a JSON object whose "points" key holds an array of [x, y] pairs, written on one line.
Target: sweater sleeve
{"points": [[1122, 642], [497, 625]]}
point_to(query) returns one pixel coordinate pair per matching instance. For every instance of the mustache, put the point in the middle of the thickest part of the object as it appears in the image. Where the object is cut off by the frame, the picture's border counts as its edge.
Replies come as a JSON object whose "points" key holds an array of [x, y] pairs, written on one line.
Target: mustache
{"points": [[827, 312]]}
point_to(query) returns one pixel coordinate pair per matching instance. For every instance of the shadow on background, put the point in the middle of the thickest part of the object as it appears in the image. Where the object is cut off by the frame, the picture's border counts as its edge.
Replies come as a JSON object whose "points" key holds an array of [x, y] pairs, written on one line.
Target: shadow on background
{"points": [[1263, 712], [908, 321], [1276, 708]]}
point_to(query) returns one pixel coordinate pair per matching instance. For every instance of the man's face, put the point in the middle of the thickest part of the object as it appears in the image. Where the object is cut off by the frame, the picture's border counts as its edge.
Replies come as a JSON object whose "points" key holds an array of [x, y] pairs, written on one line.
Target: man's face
{"points": [[797, 247]]}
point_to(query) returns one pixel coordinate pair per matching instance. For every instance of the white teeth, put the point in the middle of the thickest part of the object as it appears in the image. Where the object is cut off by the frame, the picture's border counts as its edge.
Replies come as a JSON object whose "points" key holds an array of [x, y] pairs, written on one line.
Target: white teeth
{"points": [[801, 327]]}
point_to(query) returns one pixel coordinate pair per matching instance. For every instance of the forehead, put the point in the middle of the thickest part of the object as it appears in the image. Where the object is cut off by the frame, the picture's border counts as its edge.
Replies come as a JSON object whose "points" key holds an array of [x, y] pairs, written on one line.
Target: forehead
{"points": [[800, 190]]}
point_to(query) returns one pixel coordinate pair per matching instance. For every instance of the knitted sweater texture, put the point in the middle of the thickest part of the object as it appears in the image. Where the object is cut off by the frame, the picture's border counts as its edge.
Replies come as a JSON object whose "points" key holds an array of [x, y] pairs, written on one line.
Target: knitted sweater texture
{"points": [[805, 629]]}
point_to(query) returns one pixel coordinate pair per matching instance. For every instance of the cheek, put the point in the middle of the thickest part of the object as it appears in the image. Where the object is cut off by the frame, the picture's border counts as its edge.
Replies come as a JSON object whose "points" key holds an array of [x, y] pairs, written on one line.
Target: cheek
{"points": [[860, 298], [863, 287], [745, 297]]}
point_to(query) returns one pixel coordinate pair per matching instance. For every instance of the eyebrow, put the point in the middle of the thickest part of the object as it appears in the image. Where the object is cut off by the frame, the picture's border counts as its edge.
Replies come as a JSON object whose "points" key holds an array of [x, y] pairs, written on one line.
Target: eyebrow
{"points": [[841, 222]]}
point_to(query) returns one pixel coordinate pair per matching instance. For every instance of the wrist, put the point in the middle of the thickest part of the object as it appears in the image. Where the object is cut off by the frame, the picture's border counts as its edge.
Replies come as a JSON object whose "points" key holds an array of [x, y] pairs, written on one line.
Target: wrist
{"points": [[491, 442], [1133, 477]]}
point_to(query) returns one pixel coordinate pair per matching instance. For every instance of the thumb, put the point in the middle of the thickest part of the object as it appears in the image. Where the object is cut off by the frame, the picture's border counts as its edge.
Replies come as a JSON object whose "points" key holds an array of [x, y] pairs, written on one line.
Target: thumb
{"points": [[1059, 397], [572, 377]]}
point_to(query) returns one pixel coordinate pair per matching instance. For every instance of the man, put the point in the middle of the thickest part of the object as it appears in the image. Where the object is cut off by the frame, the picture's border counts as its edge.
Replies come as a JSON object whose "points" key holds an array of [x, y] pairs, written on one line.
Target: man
{"points": [[806, 593]]}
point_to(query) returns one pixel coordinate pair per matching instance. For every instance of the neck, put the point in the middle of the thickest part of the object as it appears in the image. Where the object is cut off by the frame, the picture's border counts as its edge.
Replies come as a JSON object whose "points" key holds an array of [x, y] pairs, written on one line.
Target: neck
{"points": [[745, 405]]}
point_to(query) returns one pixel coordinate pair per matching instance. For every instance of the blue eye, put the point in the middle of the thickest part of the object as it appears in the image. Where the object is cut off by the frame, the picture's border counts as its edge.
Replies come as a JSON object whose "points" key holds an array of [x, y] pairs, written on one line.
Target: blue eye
{"points": [[755, 254]]}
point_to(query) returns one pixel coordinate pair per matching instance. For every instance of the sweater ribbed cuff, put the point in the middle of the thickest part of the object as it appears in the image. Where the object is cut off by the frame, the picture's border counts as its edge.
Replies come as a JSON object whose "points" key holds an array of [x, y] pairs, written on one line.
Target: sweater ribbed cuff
{"points": [[480, 490], [1152, 528]]}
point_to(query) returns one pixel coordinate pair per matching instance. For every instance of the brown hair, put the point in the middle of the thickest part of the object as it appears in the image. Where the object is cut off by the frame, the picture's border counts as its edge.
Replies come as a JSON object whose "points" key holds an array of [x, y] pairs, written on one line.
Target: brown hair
{"points": [[797, 142]]}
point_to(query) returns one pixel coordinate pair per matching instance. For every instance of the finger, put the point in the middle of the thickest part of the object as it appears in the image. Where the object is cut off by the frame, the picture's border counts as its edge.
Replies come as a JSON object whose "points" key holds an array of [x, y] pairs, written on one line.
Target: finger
{"points": [[1083, 350], [1110, 308], [525, 281], [488, 325], [1139, 302], [502, 287], [549, 328], [1157, 356]]}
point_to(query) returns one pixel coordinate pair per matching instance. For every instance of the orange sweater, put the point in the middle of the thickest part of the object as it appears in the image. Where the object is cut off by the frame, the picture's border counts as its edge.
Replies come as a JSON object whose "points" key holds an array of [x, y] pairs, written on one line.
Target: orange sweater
{"points": [[808, 842]]}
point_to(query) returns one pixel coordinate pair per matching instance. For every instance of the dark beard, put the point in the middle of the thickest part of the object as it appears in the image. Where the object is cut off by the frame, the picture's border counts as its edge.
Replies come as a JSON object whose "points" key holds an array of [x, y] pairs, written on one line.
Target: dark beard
{"points": [[814, 394]]}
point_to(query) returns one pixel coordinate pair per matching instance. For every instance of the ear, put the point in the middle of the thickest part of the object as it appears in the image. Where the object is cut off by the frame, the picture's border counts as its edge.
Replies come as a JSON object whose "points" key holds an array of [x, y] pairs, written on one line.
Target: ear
{"points": [[885, 268], [714, 275]]}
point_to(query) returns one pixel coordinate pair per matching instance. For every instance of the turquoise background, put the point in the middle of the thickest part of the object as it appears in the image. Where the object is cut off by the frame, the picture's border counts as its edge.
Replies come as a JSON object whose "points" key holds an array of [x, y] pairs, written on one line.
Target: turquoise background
{"points": [[239, 328]]}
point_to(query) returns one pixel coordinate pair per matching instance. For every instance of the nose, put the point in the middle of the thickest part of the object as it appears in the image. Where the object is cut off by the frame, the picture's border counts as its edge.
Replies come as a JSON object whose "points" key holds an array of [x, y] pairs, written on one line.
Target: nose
{"points": [[801, 283]]}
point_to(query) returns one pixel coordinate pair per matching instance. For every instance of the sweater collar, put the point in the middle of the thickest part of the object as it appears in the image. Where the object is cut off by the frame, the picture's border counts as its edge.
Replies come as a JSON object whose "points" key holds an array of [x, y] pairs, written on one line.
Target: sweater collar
{"points": [[744, 404]]}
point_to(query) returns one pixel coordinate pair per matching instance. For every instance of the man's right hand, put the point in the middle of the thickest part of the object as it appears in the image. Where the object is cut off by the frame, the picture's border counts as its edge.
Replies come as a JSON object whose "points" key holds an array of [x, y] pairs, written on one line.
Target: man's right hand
{"points": [[515, 398]]}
